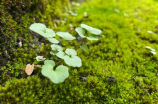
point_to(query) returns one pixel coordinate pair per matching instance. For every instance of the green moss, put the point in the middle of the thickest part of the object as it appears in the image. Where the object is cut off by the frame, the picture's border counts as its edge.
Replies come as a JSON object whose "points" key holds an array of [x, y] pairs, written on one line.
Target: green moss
{"points": [[119, 54], [16, 17]]}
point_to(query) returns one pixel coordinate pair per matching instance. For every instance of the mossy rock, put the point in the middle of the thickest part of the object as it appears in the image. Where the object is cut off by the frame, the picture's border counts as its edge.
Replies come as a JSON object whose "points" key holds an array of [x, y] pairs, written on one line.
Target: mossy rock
{"points": [[16, 17], [117, 69]]}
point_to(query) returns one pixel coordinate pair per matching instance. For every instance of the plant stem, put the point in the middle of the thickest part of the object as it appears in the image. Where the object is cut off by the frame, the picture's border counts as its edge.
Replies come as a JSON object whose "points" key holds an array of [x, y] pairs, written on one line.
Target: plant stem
{"points": [[38, 66], [45, 48], [58, 62], [81, 43]]}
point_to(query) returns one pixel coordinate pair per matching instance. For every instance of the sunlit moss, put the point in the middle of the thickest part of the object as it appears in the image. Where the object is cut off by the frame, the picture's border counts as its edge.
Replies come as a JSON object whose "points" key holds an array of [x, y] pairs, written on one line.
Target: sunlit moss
{"points": [[119, 53]]}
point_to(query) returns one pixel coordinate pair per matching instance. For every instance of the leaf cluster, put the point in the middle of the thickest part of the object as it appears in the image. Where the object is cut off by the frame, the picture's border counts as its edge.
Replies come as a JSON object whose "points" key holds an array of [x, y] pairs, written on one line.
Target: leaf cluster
{"points": [[69, 55]]}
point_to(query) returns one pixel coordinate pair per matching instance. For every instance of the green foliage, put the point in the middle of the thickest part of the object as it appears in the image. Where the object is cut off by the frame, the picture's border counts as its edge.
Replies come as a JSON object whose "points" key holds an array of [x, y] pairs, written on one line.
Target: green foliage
{"points": [[91, 29], [71, 52], [65, 35], [56, 76], [53, 40], [94, 31], [70, 56], [120, 53], [74, 61], [42, 30], [56, 47], [40, 58], [80, 31], [15, 19]]}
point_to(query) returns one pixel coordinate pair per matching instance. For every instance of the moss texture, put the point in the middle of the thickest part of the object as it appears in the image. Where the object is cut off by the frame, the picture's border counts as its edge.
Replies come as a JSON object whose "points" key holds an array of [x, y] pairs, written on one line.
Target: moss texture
{"points": [[117, 69], [16, 17]]}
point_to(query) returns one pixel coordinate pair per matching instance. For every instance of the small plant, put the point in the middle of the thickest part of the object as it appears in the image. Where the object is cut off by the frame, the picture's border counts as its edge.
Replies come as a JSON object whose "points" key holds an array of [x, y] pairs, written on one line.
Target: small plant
{"points": [[69, 56]]}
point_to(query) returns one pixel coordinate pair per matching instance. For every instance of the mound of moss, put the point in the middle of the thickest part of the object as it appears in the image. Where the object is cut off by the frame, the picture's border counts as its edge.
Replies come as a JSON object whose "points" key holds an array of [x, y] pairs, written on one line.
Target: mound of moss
{"points": [[15, 19], [117, 69]]}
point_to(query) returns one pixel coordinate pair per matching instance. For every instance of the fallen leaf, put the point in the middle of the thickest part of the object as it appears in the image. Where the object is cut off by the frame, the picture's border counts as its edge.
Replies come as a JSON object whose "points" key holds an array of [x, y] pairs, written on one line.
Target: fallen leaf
{"points": [[29, 69]]}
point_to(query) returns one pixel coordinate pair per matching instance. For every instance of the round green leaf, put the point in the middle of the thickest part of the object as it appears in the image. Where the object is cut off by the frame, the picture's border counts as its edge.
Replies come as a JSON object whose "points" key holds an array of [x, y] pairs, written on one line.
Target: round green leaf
{"points": [[84, 47], [65, 35], [42, 30], [50, 62], [61, 54], [80, 31], [56, 47], [74, 61], [38, 28], [52, 53], [92, 37], [71, 52], [49, 33], [91, 29], [38, 58], [53, 40], [56, 76]]}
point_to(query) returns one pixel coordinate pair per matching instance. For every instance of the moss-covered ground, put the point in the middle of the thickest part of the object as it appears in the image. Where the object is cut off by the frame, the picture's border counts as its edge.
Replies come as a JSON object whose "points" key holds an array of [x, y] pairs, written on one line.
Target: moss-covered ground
{"points": [[117, 69]]}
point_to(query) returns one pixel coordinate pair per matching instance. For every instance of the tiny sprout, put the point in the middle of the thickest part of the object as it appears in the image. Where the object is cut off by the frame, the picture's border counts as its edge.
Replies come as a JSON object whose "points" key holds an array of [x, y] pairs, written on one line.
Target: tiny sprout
{"points": [[57, 73], [40, 58]]}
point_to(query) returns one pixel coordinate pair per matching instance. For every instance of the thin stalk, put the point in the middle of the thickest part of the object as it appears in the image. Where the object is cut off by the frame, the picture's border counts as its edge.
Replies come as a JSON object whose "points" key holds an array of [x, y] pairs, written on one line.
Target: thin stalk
{"points": [[38, 66], [45, 48], [81, 43], [58, 62]]}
